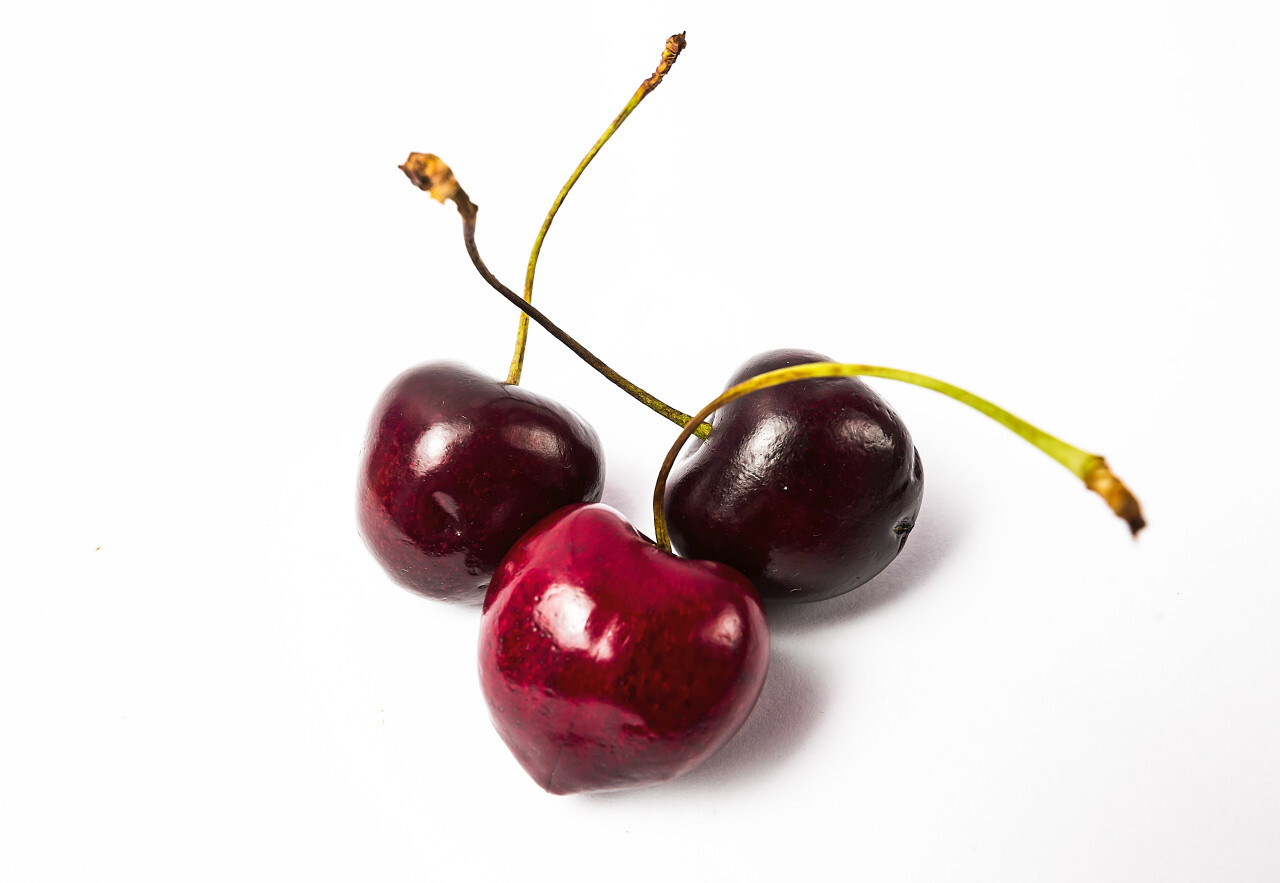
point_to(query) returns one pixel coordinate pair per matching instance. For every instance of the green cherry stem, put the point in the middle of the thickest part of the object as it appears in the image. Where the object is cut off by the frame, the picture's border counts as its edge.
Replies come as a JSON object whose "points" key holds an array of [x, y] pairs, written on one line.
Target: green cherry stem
{"points": [[1090, 468], [670, 52], [428, 172]]}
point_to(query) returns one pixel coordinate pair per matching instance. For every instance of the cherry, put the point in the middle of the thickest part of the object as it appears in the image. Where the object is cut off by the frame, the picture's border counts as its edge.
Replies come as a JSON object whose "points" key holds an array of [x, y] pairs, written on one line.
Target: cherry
{"points": [[607, 662], [457, 466], [809, 489], [1090, 468]]}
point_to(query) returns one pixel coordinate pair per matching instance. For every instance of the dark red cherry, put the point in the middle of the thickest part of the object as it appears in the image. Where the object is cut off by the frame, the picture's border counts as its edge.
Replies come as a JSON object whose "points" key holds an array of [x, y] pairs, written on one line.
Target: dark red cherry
{"points": [[607, 662], [457, 466], [808, 488]]}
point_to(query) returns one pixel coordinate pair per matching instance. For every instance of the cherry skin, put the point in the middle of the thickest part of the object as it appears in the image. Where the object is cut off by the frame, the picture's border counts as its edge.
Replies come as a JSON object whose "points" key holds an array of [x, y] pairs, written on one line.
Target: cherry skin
{"points": [[457, 466], [808, 488], [608, 663]]}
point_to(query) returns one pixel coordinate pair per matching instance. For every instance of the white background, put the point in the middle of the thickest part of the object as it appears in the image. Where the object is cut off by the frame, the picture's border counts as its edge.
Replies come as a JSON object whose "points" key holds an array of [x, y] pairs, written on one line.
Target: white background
{"points": [[211, 267]]}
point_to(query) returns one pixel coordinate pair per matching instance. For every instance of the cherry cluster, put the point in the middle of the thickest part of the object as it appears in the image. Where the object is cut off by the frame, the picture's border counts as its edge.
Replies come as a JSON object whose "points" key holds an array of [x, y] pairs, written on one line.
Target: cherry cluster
{"points": [[606, 659]]}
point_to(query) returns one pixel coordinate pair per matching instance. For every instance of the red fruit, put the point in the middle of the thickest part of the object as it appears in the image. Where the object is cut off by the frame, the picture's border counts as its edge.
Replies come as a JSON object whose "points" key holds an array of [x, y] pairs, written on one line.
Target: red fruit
{"points": [[457, 466], [608, 663]]}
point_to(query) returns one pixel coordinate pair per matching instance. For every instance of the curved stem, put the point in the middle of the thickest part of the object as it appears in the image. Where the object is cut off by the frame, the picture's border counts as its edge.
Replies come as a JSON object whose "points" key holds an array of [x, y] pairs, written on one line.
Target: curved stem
{"points": [[669, 54], [1090, 468], [428, 172]]}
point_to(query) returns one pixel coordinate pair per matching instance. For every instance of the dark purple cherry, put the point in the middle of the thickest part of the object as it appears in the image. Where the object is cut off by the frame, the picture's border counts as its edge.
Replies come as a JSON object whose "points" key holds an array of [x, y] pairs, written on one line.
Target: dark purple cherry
{"points": [[808, 488], [457, 466], [607, 662]]}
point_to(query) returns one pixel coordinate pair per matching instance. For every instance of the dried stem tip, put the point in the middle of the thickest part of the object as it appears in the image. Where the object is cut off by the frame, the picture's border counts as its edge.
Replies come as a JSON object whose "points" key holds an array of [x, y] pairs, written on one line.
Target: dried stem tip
{"points": [[1103, 482], [670, 53], [428, 172]]}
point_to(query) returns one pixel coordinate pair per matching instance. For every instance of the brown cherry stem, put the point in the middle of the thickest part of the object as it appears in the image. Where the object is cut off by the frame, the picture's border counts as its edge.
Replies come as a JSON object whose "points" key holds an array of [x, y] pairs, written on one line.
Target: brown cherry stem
{"points": [[1090, 468], [428, 172]]}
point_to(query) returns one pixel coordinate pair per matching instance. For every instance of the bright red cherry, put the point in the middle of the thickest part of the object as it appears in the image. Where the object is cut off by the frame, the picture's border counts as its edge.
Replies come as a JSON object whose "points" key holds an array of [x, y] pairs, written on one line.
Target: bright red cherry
{"points": [[608, 663], [457, 466]]}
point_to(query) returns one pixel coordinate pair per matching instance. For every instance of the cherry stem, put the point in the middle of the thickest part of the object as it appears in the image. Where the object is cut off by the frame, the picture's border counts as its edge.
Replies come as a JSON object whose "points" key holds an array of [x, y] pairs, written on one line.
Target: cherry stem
{"points": [[1090, 468], [428, 172], [670, 52]]}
